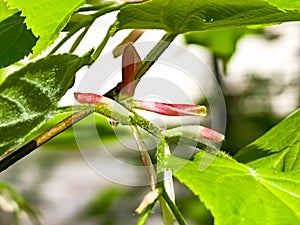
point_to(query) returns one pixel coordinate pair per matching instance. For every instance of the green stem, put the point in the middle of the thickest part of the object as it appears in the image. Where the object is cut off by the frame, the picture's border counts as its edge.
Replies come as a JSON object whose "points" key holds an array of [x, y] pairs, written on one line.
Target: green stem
{"points": [[100, 48], [95, 8], [79, 39], [167, 214], [87, 23], [216, 68], [155, 53], [65, 39], [166, 182], [173, 208]]}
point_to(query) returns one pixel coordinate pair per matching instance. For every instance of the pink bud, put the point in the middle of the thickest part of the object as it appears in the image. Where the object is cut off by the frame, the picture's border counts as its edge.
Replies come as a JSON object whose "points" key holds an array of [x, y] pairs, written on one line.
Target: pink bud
{"points": [[98, 100], [171, 109], [211, 134], [195, 132], [131, 62], [88, 98]]}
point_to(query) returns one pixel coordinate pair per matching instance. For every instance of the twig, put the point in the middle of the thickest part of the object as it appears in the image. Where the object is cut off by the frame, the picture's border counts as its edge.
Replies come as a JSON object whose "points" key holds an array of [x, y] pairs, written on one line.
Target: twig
{"points": [[11, 158]]}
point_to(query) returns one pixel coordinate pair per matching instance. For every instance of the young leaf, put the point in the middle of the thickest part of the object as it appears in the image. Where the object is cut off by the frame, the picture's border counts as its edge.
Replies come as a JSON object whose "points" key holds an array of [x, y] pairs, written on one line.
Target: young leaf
{"points": [[28, 96], [16, 40], [5, 12], [177, 16], [278, 149], [286, 5], [237, 194], [46, 18]]}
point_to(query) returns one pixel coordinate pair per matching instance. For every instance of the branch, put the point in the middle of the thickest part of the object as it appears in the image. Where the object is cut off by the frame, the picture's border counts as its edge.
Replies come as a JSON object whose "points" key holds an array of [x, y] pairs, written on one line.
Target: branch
{"points": [[11, 158]]}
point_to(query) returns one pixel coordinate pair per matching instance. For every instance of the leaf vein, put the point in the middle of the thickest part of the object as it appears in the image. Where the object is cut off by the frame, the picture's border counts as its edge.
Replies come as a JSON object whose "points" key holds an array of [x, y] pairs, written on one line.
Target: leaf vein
{"points": [[14, 101]]}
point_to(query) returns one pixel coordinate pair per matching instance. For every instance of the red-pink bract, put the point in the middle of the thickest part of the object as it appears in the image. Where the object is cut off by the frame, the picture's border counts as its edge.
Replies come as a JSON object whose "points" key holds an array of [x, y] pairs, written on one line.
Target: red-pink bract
{"points": [[88, 98], [171, 109]]}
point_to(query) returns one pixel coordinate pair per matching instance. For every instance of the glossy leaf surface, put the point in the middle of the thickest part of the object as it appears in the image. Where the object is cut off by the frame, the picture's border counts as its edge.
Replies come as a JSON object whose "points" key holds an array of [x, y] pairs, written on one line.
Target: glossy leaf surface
{"points": [[177, 16], [46, 18], [16, 40], [237, 194], [29, 96], [278, 149]]}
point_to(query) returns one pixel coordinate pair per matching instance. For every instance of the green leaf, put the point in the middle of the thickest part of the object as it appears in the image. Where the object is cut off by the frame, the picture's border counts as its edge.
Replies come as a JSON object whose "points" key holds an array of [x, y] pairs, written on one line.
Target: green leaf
{"points": [[16, 40], [286, 5], [237, 194], [177, 16], [46, 18], [278, 149], [222, 43], [5, 12], [30, 95]]}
